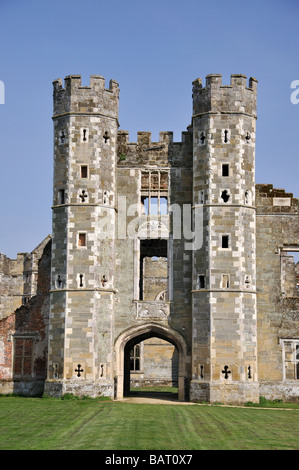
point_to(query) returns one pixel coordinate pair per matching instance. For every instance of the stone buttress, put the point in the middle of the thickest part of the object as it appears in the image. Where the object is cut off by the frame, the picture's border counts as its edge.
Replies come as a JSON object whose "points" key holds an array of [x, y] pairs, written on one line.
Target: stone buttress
{"points": [[82, 272]]}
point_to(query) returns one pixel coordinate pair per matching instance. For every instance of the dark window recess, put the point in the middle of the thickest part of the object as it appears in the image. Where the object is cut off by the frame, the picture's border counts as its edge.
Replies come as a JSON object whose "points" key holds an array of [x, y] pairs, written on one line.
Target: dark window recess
{"points": [[225, 196], [201, 282], [84, 171], [225, 169], [106, 137], [135, 358], [225, 241], [83, 195], [23, 348], [61, 197], [82, 239]]}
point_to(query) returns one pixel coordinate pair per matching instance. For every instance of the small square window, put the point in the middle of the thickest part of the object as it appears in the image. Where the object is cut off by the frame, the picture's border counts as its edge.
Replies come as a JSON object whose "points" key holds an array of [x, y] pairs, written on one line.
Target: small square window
{"points": [[225, 241], [84, 171], [61, 196], [225, 281], [201, 281], [225, 169], [82, 239]]}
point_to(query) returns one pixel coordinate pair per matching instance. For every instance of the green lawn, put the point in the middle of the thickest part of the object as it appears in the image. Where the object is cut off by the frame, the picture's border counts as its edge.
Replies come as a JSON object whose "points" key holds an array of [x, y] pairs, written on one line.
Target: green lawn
{"points": [[48, 423]]}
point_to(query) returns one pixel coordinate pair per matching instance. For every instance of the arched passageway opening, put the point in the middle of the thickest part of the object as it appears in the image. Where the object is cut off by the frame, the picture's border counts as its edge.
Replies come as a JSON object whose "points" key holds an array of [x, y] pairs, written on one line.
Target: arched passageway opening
{"points": [[150, 366], [138, 335]]}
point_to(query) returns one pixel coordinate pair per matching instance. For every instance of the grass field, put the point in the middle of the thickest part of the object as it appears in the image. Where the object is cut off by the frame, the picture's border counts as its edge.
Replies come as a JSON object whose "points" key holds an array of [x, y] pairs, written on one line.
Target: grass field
{"points": [[92, 424]]}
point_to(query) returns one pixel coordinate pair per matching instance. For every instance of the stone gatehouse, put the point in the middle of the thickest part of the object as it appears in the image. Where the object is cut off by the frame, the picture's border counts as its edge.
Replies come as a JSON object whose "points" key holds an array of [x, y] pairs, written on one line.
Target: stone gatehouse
{"points": [[167, 263]]}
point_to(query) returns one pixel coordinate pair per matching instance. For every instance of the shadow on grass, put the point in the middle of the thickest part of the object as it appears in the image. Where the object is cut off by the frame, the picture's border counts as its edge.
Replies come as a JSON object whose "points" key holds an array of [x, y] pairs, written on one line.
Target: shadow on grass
{"points": [[156, 393]]}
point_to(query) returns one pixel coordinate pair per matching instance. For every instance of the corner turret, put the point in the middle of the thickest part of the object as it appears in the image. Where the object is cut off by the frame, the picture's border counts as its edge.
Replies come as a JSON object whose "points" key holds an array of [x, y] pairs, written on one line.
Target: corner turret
{"points": [[218, 98], [94, 98]]}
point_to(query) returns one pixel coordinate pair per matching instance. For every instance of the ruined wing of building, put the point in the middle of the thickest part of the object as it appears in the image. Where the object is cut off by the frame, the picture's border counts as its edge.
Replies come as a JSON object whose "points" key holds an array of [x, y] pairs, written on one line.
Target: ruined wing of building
{"points": [[167, 263]]}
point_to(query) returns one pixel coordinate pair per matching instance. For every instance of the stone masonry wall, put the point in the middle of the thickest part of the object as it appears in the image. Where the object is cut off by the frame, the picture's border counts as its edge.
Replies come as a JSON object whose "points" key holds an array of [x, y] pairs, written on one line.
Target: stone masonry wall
{"points": [[29, 323], [277, 231]]}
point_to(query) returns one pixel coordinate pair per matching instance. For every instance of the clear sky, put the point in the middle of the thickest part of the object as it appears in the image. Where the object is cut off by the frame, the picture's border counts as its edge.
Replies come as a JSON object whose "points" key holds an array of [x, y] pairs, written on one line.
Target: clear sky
{"points": [[154, 49]]}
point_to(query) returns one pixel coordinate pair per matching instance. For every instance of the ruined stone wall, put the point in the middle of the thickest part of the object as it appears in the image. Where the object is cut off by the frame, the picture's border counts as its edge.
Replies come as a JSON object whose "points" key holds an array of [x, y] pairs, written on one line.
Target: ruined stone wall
{"points": [[154, 277], [155, 242], [18, 279], [277, 230], [24, 338], [11, 284], [158, 364]]}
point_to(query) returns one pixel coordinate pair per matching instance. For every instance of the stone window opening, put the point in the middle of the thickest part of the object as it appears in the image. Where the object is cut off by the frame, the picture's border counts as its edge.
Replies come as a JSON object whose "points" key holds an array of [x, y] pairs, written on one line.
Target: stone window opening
{"points": [[106, 137], [135, 356], [290, 356], [226, 136], [225, 195], [201, 281], [202, 138], [248, 198], [81, 239], [289, 269], [84, 171], [154, 192], [247, 281], [61, 196], [59, 282], [62, 136], [225, 242], [153, 269], [55, 370], [154, 205], [225, 169], [83, 196], [81, 280], [225, 281], [84, 135], [23, 356]]}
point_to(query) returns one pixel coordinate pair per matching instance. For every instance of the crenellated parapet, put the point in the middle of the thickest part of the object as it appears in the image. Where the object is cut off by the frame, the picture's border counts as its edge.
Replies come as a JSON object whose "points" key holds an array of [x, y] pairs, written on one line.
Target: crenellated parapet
{"points": [[218, 98], [165, 152], [92, 99], [275, 200]]}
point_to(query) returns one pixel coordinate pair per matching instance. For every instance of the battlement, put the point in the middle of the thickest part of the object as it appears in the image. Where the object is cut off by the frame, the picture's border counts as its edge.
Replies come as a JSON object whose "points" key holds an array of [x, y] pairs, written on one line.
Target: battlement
{"points": [[163, 153], [92, 99], [267, 190], [145, 138], [218, 98], [273, 200]]}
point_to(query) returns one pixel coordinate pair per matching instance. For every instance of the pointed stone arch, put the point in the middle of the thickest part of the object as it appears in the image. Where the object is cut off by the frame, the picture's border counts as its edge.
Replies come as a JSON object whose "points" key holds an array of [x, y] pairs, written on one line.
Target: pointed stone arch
{"points": [[138, 333]]}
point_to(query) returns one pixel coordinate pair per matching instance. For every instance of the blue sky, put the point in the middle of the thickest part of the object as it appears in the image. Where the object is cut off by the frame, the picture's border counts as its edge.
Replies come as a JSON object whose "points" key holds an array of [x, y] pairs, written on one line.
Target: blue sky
{"points": [[154, 49]]}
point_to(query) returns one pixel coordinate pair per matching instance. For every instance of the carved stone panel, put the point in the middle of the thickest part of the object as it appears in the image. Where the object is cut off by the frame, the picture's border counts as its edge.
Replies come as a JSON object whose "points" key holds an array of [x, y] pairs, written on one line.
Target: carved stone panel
{"points": [[154, 309]]}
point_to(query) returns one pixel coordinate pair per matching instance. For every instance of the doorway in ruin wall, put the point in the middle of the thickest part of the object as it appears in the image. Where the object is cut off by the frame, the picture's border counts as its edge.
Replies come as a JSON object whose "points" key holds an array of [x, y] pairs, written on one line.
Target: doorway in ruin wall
{"points": [[127, 340]]}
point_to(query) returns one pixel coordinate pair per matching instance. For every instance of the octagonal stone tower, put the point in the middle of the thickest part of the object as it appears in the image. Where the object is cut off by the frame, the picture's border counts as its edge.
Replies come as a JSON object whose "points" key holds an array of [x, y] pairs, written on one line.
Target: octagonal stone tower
{"points": [[224, 347], [82, 273]]}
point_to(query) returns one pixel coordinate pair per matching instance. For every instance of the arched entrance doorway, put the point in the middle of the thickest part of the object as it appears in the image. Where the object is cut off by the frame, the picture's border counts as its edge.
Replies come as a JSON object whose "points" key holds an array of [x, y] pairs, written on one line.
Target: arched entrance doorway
{"points": [[128, 339]]}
